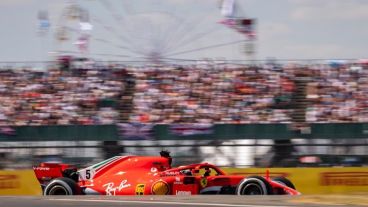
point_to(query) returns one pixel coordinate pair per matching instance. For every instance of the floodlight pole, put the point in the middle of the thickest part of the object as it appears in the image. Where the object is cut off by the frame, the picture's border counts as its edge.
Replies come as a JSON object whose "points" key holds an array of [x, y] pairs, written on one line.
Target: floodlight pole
{"points": [[249, 50]]}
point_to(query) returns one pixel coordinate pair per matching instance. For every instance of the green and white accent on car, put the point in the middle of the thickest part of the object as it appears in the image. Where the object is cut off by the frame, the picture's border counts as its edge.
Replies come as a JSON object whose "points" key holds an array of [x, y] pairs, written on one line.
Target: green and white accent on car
{"points": [[89, 172]]}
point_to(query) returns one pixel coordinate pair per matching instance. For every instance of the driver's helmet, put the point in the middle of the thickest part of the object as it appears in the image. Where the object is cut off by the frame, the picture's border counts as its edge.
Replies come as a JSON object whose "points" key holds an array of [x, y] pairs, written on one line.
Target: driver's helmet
{"points": [[187, 172]]}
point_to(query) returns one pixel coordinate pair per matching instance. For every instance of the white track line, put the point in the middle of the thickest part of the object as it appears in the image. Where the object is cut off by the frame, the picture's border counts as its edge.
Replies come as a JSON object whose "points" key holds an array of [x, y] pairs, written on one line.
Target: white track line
{"points": [[160, 202]]}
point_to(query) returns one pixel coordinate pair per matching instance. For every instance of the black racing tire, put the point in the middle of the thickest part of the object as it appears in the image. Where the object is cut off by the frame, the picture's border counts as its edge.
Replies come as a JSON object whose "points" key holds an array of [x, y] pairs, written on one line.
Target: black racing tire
{"points": [[284, 181], [61, 186], [254, 185]]}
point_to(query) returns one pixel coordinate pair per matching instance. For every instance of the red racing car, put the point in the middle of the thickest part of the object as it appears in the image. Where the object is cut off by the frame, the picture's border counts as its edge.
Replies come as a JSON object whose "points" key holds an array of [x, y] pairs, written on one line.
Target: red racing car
{"points": [[153, 175]]}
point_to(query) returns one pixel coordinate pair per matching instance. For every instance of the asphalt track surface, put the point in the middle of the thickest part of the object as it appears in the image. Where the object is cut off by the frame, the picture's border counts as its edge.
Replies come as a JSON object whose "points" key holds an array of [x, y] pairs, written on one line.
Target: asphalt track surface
{"points": [[177, 201]]}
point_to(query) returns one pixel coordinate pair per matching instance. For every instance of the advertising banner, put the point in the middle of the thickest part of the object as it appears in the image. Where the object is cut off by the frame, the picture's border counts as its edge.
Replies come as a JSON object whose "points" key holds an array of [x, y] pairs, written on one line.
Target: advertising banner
{"points": [[19, 182], [136, 131], [316, 180]]}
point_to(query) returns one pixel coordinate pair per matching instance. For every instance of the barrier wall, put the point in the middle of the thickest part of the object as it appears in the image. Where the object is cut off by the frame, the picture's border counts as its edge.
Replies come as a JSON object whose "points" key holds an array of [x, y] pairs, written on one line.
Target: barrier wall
{"points": [[139, 131], [61, 133], [19, 182], [316, 180]]}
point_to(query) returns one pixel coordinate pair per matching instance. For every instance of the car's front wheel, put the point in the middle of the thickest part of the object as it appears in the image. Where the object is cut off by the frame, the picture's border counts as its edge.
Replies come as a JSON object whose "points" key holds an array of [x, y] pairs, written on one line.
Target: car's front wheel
{"points": [[254, 185], [284, 181]]}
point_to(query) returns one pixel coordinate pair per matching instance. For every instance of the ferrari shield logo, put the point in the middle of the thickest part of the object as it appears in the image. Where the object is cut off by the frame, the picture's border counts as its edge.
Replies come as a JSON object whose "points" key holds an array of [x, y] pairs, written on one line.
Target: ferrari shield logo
{"points": [[139, 189], [203, 182]]}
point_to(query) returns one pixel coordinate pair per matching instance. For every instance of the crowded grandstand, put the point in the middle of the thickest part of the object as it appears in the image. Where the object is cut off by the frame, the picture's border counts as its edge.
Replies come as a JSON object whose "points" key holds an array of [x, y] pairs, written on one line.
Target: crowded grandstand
{"points": [[233, 94]]}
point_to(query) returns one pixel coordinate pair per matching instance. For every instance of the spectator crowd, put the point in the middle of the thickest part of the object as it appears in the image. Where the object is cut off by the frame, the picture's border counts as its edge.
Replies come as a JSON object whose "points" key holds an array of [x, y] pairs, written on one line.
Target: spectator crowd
{"points": [[57, 97], [187, 94], [337, 93], [213, 95]]}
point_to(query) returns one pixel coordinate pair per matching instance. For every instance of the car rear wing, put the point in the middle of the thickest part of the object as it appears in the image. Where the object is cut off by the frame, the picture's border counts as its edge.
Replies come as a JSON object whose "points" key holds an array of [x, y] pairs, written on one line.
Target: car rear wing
{"points": [[48, 171]]}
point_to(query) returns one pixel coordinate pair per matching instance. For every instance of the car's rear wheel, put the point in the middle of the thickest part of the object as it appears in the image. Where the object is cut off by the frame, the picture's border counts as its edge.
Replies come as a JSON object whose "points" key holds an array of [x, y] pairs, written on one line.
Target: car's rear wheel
{"points": [[58, 190], [254, 185], [61, 186]]}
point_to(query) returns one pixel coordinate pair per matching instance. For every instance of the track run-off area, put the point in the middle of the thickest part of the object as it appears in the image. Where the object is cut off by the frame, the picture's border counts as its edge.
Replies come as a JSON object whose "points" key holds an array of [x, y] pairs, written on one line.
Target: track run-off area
{"points": [[176, 201]]}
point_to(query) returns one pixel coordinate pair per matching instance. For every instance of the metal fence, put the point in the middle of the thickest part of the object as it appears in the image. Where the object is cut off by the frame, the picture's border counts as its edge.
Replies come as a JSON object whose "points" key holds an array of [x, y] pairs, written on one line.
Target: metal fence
{"points": [[230, 153]]}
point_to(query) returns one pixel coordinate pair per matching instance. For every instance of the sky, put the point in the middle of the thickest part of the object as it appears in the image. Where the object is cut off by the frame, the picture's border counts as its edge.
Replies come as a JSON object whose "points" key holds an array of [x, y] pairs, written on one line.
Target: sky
{"points": [[132, 29]]}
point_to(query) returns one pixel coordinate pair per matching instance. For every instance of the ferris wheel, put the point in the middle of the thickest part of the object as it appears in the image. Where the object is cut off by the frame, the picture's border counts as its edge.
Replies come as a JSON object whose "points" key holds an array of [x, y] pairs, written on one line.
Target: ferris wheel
{"points": [[116, 30], [73, 29]]}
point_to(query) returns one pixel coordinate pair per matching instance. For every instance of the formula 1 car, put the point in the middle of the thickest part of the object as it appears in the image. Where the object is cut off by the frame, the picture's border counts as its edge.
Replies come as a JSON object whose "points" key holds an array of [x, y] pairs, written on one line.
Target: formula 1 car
{"points": [[153, 175]]}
